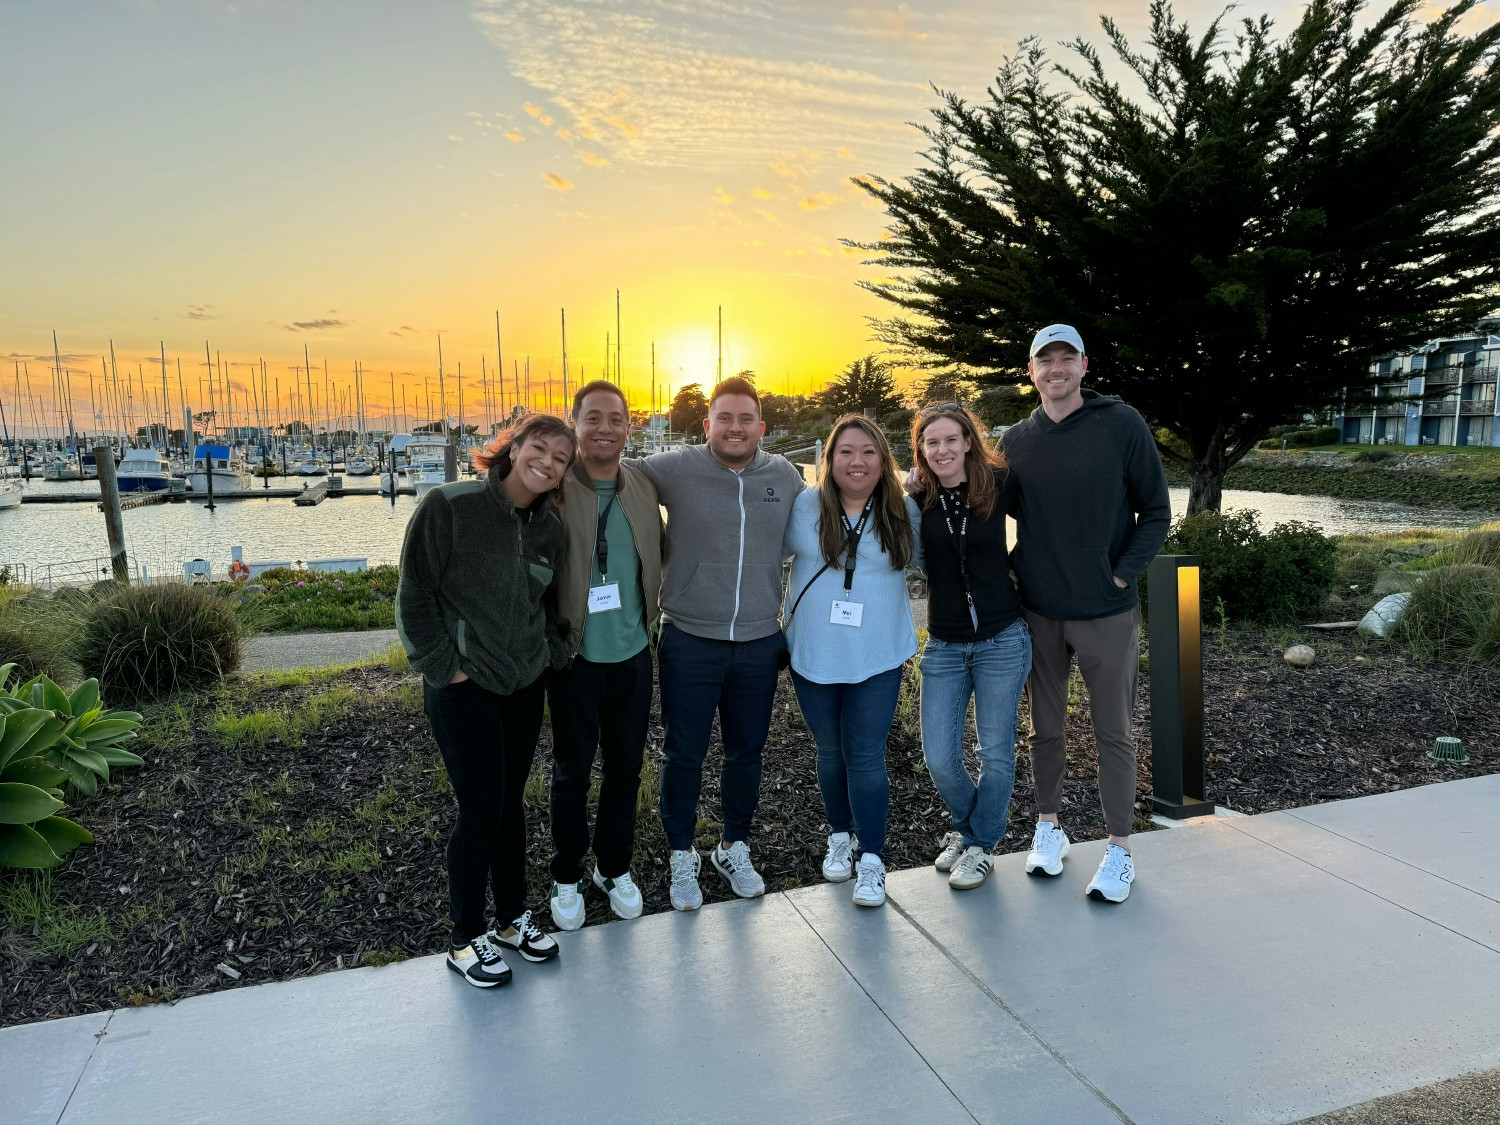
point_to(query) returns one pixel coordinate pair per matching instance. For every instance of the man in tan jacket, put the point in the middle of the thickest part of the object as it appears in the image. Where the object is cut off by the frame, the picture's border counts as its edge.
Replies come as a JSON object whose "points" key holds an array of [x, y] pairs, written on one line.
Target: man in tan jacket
{"points": [[607, 596]]}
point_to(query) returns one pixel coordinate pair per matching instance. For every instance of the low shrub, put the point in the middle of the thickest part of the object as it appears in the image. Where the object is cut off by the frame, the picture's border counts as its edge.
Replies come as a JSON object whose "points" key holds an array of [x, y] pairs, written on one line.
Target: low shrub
{"points": [[1478, 548], [1258, 578], [32, 654], [296, 600], [1303, 439], [147, 641], [1454, 614]]}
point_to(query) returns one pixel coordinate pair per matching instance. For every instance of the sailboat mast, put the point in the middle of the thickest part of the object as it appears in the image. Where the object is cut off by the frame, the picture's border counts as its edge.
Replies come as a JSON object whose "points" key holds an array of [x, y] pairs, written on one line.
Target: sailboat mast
{"points": [[619, 378], [500, 365], [442, 388]]}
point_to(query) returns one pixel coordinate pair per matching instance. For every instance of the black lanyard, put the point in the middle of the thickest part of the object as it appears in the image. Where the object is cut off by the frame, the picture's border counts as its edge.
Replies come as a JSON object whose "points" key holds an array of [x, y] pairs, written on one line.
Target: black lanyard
{"points": [[960, 544], [852, 532], [601, 546]]}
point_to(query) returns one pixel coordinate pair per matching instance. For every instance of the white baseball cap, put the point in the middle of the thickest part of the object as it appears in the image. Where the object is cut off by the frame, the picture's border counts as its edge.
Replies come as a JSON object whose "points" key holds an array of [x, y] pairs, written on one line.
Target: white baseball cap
{"points": [[1055, 334]]}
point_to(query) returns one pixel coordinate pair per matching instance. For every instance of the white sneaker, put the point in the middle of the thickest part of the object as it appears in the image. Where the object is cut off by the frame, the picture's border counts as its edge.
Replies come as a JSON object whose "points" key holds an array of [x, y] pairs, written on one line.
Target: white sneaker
{"points": [[1048, 846], [869, 881], [838, 864], [624, 896], [686, 894], [972, 868], [734, 864], [479, 963], [953, 847], [526, 938], [1111, 883], [567, 905]]}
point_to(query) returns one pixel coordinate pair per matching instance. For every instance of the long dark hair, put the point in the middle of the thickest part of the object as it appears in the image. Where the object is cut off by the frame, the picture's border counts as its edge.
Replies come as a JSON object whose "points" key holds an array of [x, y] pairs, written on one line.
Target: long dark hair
{"points": [[498, 453], [979, 463], [892, 528]]}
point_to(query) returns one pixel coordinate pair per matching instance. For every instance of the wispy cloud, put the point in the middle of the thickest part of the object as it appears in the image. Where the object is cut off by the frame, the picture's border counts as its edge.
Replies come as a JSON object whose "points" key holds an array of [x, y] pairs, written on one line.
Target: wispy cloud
{"points": [[760, 193], [201, 312], [516, 137], [455, 138], [315, 325], [818, 200], [557, 182], [593, 159], [404, 330], [722, 83]]}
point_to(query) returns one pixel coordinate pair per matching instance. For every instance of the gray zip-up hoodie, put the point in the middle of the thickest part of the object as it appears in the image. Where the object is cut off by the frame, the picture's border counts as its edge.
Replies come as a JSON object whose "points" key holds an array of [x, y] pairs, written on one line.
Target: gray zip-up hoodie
{"points": [[721, 578]]}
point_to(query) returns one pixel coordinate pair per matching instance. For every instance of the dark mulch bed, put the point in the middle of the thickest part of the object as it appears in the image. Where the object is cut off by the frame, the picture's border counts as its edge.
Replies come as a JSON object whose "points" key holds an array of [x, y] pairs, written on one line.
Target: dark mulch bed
{"points": [[215, 868]]}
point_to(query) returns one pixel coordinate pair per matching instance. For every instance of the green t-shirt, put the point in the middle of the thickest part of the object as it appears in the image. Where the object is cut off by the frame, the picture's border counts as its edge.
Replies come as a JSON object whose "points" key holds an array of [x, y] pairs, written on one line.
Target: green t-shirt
{"points": [[616, 634]]}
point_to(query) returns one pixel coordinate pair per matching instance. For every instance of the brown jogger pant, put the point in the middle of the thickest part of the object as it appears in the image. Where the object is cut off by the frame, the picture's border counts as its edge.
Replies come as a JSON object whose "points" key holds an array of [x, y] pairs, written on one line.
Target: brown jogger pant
{"points": [[1108, 650]]}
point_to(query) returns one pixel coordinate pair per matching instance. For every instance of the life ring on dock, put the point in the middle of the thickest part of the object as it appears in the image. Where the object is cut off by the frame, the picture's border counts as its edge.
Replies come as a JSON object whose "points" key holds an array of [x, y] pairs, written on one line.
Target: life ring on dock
{"points": [[238, 571]]}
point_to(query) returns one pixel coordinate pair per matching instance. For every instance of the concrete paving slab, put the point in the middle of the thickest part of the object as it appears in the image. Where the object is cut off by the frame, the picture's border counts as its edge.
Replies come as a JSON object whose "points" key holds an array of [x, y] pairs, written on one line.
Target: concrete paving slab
{"points": [[1238, 984], [737, 1013], [1438, 900], [1447, 828], [40, 1064], [985, 1057]]}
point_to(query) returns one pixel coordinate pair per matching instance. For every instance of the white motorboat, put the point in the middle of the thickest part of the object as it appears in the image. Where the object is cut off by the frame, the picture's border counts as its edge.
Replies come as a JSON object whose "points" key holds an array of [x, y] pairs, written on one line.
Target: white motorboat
{"points": [[143, 470], [10, 494], [228, 478], [426, 462]]}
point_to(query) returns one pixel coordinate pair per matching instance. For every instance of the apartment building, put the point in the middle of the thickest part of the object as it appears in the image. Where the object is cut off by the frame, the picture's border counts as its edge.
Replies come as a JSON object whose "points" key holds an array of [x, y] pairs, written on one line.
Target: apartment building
{"points": [[1457, 377]]}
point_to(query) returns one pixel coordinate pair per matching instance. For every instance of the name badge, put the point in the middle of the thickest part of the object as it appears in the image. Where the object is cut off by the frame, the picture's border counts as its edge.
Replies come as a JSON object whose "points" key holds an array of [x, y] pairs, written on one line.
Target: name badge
{"points": [[603, 598], [847, 613]]}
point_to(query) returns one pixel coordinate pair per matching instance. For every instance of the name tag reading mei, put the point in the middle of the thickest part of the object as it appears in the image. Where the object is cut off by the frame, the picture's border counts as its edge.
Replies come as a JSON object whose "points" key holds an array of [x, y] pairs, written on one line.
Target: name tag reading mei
{"points": [[847, 613], [604, 598]]}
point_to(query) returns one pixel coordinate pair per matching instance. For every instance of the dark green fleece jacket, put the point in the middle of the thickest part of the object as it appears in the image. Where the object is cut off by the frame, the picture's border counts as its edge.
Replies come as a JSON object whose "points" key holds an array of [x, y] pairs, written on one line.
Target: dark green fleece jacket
{"points": [[1091, 506], [478, 590]]}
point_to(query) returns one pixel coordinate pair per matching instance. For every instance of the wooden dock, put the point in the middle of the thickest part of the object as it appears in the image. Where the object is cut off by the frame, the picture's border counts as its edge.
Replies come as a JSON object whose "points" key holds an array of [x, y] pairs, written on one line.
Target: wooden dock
{"points": [[202, 497], [312, 494]]}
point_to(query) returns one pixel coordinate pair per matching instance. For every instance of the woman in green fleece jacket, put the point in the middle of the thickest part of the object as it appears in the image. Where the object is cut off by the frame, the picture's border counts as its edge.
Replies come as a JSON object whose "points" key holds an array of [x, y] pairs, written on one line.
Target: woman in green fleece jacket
{"points": [[476, 613]]}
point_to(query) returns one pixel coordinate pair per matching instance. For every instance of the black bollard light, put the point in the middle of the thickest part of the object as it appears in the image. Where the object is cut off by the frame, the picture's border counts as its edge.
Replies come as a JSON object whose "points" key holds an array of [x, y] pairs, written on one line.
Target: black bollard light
{"points": [[1175, 640]]}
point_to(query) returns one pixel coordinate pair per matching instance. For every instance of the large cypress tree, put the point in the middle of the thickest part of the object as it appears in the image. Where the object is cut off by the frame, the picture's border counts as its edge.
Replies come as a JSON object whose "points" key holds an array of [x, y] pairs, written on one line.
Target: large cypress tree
{"points": [[1236, 230]]}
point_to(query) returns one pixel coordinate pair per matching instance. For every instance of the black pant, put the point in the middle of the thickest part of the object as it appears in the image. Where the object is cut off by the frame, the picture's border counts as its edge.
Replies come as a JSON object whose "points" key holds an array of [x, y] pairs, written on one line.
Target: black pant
{"points": [[487, 741], [597, 707], [699, 678]]}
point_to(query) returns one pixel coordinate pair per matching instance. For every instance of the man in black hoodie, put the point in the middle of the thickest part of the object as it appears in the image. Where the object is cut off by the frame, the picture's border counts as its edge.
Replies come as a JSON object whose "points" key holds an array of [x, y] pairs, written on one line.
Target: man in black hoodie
{"points": [[1091, 513]]}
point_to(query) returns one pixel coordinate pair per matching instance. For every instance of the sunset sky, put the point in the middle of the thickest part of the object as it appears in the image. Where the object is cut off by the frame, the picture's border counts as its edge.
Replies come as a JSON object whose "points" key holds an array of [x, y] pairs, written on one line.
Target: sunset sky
{"points": [[362, 178]]}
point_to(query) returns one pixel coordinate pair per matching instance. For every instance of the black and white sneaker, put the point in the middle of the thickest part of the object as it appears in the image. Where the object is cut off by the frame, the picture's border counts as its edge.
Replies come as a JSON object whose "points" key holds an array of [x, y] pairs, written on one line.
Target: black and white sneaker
{"points": [[526, 938], [480, 963]]}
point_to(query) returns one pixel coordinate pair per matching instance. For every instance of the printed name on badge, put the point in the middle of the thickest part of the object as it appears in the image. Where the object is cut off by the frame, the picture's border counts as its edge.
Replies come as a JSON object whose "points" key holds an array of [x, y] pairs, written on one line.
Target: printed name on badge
{"points": [[604, 598], [847, 613]]}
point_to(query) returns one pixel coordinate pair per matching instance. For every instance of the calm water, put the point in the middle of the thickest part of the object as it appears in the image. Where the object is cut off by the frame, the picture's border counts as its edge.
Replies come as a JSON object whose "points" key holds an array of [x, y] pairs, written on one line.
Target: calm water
{"points": [[162, 536]]}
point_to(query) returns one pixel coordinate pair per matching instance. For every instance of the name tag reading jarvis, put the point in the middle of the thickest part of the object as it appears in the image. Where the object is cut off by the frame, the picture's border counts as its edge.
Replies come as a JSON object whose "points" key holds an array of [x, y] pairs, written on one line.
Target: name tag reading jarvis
{"points": [[847, 613], [604, 598]]}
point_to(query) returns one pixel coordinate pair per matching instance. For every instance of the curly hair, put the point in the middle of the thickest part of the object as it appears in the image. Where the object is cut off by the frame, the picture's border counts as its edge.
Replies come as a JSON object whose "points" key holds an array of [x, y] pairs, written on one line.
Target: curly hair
{"points": [[497, 454]]}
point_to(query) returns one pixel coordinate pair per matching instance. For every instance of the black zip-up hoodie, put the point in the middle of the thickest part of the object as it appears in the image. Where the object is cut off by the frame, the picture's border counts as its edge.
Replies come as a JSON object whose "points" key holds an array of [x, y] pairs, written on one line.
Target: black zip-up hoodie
{"points": [[1091, 506]]}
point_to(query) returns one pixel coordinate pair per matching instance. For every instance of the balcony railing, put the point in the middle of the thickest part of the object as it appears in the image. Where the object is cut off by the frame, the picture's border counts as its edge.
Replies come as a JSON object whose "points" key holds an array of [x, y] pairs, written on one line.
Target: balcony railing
{"points": [[1479, 407], [1440, 407], [1391, 410]]}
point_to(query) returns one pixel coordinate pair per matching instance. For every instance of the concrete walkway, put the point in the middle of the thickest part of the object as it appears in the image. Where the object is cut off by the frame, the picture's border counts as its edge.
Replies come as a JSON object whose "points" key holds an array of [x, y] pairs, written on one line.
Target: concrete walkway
{"points": [[1265, 969], [287, 652]]}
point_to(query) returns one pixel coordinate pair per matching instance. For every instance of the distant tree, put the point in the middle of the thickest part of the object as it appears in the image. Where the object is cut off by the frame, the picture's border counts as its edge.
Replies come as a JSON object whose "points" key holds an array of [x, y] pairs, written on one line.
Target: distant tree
{"points": [[864, 383], [1004, 405], [1236, 243], [688, 410], [946, 385], [778, 411]]}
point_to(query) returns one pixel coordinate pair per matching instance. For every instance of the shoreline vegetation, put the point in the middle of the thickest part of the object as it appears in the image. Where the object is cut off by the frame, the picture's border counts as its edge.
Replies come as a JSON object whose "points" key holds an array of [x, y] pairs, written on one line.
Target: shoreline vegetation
{"points": [[1459, 478]]}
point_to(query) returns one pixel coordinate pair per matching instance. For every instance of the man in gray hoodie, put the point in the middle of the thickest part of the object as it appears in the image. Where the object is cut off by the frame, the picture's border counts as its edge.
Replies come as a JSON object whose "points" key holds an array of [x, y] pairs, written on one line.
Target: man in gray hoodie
{"points": [[727, 506], [1092, 511]]}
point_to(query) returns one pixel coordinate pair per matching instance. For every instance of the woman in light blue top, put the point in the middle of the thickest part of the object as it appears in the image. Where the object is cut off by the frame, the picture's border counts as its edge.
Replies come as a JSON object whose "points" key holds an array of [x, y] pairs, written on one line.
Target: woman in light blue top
{"points": [[849, 628]]}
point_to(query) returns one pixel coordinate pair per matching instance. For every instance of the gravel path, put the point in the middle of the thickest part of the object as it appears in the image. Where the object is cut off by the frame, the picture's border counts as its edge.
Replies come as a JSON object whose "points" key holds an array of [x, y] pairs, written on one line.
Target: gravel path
{"points": [[282, 653]]}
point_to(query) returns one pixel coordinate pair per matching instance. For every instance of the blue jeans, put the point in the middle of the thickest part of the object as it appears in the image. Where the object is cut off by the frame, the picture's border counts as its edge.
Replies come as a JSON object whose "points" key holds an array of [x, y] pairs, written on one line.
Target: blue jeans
{"points": [[850, 722], [700, 677], [993, 672]]}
